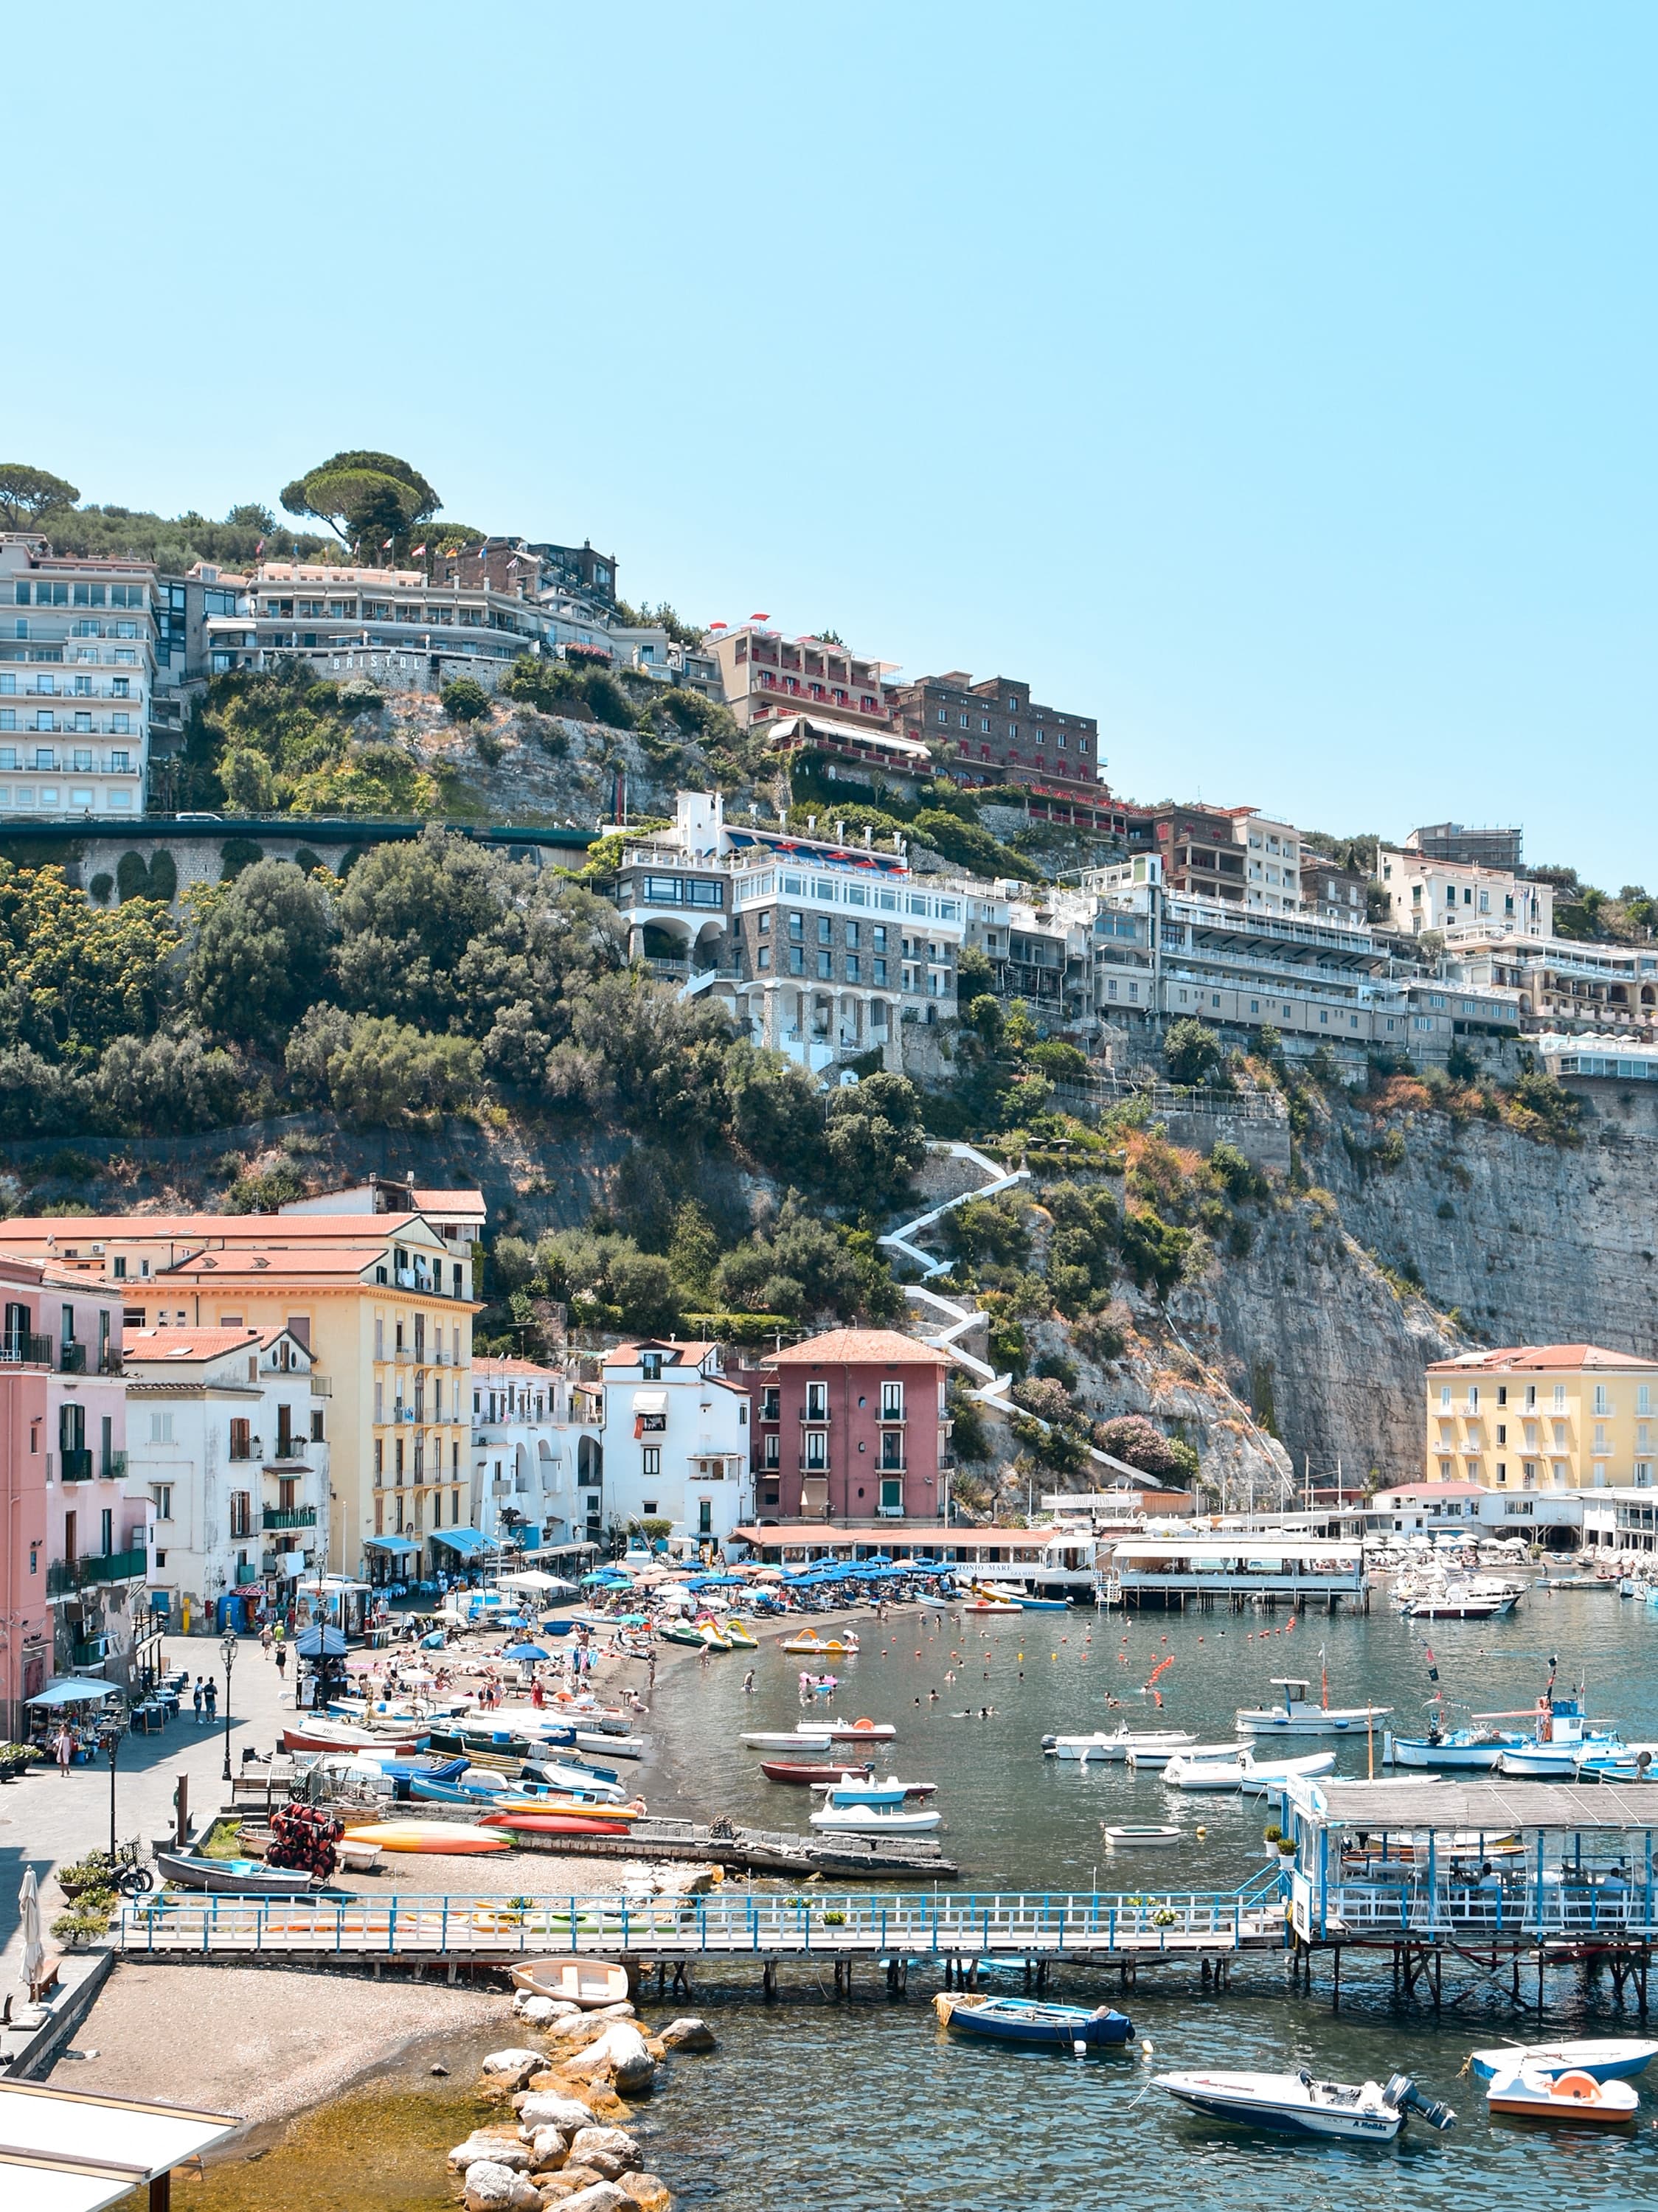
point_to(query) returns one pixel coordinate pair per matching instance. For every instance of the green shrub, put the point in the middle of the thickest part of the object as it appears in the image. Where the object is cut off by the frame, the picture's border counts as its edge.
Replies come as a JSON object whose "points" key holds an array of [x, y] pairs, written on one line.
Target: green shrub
{"points": [[1191, 1051], [100, 888], [163, 876], [465, 699], [131, 876], [235, 855]]}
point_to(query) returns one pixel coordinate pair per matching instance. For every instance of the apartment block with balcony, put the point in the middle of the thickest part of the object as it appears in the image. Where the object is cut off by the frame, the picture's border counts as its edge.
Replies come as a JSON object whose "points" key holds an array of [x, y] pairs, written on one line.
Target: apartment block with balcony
{"points": [[763, 675], [399, 628], [992, 732], [231, 1450], [1554, 1417], [675, 1445], [1330, 892], [381, 1301], [1561, 985], [26, 1360], [850, 1426], [82, 1547], [77, 671], [536, 1432], [1425, 894]]}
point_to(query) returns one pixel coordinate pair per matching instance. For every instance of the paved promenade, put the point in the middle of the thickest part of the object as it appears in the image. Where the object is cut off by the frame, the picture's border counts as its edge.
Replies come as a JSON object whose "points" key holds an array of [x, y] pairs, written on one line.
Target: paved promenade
{"points": [[49, 1819]]}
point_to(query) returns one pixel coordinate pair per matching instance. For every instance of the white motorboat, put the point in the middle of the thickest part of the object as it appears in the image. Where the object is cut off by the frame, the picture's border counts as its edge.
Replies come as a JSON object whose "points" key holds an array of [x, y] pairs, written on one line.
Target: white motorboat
{"points": [[1297, 2104], [1149, 1836], [1605, 2059], [1205, 1767], [1267, 1777], [1476, 1597], [1116, 1747], [1563, 1734], [1299, 1716], [785, 1740], [875, 1821], [1154, 1752], [1242, 1770], [1467, 1750]]}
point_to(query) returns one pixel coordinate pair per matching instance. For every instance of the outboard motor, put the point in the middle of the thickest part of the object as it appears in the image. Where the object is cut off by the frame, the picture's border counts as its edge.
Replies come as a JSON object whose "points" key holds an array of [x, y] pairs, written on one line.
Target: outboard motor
{"points": [[1402, 2094], [1049, 1741]]}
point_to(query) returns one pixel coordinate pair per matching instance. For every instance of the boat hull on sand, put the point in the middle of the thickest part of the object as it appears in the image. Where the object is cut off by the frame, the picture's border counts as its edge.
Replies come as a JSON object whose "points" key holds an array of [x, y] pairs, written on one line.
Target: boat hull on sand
{"points": [[1033, 2027], [785, 1770], [231, 1877]]}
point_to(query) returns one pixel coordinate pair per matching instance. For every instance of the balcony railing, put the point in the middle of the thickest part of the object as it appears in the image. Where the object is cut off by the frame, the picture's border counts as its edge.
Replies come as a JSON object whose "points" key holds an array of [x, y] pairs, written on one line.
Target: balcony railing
{"points": [[64, 1576], [24, 1350], [110, 1361], [111, 1467], [71, 1359], [74, 1466], [289, 1516], [290, 1452]]}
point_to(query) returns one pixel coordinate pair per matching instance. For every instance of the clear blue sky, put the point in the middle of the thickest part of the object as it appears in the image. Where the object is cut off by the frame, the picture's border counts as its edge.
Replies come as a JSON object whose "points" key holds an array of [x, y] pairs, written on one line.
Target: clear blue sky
{"points": [[1276, 383]]}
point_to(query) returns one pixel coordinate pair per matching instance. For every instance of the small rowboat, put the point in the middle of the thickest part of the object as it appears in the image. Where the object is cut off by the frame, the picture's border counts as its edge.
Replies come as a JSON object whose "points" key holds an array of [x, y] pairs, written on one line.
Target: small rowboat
{"points": [[1045, 2026], [788, 1770], [436, 1836], [1605, 2059], [864, 1790], [577, 1981], [1150, 1838], [1573, 2099], [796, 1739], [814, 1646], [340, 1735], [231, 1877]]}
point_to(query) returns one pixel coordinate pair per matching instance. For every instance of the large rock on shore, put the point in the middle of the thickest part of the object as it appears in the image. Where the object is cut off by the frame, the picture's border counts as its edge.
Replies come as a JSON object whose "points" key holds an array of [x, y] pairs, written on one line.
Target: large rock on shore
{"points": [[548, 2149], [511, 2070], [647, 2192], [500, 2146], [494, 2188], [545, 2108], [687, 2034], [609, 2151], [602, 2196], [539, 2011], [619, 2055]]}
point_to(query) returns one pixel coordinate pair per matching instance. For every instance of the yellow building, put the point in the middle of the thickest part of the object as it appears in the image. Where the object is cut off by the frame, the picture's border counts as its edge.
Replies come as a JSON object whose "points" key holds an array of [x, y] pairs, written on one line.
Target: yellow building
{"points": [[384, 1303], [1543, 1416]]}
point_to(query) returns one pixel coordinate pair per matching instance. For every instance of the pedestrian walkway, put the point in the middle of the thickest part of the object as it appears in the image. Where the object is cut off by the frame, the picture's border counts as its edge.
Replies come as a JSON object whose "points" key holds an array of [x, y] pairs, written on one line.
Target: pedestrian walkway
{"points": [[47, 1819]]}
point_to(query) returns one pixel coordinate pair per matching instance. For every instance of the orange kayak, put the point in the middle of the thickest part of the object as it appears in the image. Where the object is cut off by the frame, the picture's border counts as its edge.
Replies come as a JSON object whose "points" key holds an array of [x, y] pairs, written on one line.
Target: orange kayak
{"points": [[440, 1835]]}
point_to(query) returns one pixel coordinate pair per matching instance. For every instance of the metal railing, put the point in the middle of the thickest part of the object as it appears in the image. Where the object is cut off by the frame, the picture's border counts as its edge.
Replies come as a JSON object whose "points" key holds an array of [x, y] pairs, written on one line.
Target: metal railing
{"points": [[111, 1467], [1560, 1908], [71, 1359], [289, 1516], [914, 1924], [25, 1349], [74, 1466], [64, 1575]]}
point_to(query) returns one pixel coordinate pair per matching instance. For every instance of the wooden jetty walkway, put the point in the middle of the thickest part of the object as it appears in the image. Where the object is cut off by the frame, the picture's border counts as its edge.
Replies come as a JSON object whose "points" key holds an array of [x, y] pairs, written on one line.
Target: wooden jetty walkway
{"points": [[955, 1929]]}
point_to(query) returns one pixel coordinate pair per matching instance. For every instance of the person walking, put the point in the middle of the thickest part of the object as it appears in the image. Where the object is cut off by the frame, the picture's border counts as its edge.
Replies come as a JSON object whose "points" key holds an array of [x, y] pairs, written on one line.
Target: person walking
{"points": [[211, 1699], [282, 1664], [63, 1745], [267, 1639], [196, 1699]]}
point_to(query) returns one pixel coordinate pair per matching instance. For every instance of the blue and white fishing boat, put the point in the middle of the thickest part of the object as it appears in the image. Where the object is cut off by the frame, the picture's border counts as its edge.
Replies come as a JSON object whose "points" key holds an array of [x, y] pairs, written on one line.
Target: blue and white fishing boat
{"points": [[1604, 2058], [1562, 1736], [890, 1792], [1019, 2021], [1463, 1750], [1297, 2105]]}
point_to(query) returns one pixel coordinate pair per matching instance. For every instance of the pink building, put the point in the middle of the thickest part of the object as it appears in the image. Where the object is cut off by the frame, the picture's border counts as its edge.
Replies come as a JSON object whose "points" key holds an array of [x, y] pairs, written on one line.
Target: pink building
{"points": [[850, 1426], [25, 1612], [74, 1540]]}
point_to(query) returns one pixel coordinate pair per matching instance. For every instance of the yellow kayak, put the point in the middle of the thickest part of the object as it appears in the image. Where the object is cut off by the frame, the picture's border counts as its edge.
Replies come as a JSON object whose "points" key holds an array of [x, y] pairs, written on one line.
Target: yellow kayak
{"points": [[437, 1836]]}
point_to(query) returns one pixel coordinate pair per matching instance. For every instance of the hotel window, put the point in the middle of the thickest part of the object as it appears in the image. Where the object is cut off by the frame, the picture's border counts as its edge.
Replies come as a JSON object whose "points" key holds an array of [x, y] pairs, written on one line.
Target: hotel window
{"points": [[650, 1459], [1559, 1397], [1644, 1397], [817, 1401], [1600, 1405], [817, 1451], [241, 1513], [770, 1457], [892, 1402]]}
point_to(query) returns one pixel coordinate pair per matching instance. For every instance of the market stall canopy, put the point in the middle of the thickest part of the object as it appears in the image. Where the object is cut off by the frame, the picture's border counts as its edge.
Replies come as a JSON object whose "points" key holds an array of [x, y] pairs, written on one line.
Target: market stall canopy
{"points": [[75, 1692], [327, 1639], [468, 1542], [533, 1579], [63, 2150]]}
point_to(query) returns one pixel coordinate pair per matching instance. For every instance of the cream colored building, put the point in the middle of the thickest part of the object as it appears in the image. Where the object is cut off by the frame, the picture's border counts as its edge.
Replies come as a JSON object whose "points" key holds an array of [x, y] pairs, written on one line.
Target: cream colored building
{"points": [[385, 1306], [1543, 1416], [1424, 893]]}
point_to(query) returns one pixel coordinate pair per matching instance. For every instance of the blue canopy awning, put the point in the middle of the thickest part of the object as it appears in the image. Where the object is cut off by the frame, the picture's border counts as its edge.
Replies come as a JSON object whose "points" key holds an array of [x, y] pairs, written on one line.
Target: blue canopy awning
{"points": [[77, 1692], [469, 1542], [399, 1544]]}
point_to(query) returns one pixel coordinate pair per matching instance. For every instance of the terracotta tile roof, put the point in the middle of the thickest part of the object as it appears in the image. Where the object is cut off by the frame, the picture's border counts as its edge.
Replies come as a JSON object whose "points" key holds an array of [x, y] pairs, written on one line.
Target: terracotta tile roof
{"points": [[64, 1230], [469, 1203], [184, 1343], [483, 1369], [1533, 1357], [858, 1348], [685, 1353], [266, 1266], [1429, 1493]]}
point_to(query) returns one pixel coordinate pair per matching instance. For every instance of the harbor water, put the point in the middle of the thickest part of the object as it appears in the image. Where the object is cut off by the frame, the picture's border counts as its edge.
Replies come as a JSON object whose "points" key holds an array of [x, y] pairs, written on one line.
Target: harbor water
{"points": [[848, 2106]]}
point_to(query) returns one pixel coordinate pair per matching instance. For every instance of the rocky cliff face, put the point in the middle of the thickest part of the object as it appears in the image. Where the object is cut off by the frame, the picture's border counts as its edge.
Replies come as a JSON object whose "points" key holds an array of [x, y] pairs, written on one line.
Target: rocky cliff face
{"points": [[1513, 1240]]}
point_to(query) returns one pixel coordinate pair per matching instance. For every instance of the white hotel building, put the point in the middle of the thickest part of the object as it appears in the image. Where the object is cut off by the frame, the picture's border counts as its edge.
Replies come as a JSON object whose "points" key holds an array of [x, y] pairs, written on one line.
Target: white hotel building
{"points": [[77, 668]]}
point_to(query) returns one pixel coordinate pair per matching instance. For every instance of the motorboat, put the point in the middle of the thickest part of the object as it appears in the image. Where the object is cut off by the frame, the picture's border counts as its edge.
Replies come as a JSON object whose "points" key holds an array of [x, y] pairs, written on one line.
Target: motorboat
{"points": [[1299, 1716], [1205, 1767], [1115, 1747], [1298, 2105], [1463, 1750], [1266, 1777], [1562, 1734], [1604, 2058], [857, 1790], [1154, 1752], [811, 1646], [874, 1820], [1477, 1597], [1576, 1583], [786, 1740], [803, 1771], [1148, 1837], [1628, 1763], [585, 1982], [1044, 2026], [1572, 2099], [231, 1877]]}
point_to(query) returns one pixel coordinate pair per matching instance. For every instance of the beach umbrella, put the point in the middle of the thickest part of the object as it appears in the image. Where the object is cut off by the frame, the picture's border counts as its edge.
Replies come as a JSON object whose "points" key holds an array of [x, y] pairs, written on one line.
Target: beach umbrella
{"points": [[525, 1651], [28, 1916]]}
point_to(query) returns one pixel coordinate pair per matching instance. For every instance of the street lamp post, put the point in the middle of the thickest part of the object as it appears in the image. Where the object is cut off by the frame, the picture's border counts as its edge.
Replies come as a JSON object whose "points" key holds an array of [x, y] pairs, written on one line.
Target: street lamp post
{"points": [[111, 1745], [229, 1650]]}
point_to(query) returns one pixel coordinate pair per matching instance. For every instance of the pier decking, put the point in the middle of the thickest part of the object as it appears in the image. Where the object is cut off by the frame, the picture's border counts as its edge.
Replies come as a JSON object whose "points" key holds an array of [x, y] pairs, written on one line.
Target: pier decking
{"points": [[948, 1925]]}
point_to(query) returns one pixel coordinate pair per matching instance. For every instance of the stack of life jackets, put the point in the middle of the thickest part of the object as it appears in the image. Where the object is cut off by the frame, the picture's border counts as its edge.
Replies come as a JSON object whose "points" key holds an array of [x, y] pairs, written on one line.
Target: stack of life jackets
{"points": [[301, 1837]]}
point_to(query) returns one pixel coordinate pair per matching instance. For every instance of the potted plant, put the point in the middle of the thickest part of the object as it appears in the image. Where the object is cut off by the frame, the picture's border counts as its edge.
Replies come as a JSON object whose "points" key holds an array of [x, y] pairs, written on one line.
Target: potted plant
{"points": [[16, 1759]]}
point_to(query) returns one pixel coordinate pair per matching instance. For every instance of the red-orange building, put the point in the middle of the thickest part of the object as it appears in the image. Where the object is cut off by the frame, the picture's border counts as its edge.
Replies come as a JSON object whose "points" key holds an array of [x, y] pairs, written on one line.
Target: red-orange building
{"points": [[849, 1425]]}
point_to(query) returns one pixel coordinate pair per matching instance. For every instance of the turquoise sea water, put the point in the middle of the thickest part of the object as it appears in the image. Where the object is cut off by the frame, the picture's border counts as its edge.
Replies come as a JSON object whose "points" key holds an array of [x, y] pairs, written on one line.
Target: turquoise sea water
{"points": [[849, 2106]]}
